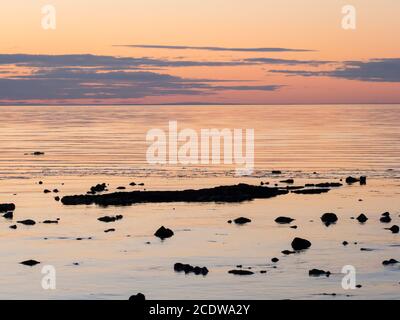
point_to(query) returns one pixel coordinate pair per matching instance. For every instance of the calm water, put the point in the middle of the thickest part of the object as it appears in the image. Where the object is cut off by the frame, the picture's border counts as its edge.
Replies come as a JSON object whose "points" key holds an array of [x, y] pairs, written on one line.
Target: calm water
{"points": [[87, 145]]}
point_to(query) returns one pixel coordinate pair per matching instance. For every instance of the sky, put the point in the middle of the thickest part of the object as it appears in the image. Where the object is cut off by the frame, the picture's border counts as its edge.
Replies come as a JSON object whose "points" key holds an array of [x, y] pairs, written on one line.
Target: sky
{"points": [[199, 52]]}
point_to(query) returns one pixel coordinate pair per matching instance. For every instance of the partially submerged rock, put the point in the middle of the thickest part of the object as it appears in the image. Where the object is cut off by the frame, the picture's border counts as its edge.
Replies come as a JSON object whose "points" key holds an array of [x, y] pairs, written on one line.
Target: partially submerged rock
{"points": [[394, 229], [300, 244], [385, 218], [233, 193], [312, 191], [287, 252], [187, 268], [289, 181], [362, 218], [389, 262], [329, 218], [6, 207], [30, 263], [241, 272], [274, 260], [109, 230], [284, 220], [8, 215], [108, 219], [140, 297], [50, 222], [164, 233], [329, 185], [317, 273], [14, 226], [27, 222], [242, 220]]}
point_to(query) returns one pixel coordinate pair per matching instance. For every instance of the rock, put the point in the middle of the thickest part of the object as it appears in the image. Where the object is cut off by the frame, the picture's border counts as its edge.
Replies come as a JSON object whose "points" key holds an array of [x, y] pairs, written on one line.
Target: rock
{"points": [[329, 185], [13, 227], [289, 181], [40, 182], [234, 193], [121, 188], [108, 219], [362, 218], [50, 221], [28, 222], [351, 180], [293, 227], [37, 153], [140, 297], [141, 184], [132, 184], [358, 286], [385, 218], [300, 244], [274, 260], [394, 229], [311, 191], [98, 188], [109, 230], [164, 233], [56, 191], [317, 273], [187, 268], [389, 262], [287, 252], [57, 198], [276, 172], [329, 218], [283, 220], [366, 249], [242, 220], [46, 191], [8, 215], [363, 180], [241, 272], [229, 221], [345, 243], [30, 263], [6, 207]]}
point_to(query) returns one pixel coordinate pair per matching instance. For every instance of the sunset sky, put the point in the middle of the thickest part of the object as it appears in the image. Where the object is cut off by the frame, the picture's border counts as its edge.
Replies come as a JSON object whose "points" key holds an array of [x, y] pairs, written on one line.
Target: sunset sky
{"points": [[199, 51]]}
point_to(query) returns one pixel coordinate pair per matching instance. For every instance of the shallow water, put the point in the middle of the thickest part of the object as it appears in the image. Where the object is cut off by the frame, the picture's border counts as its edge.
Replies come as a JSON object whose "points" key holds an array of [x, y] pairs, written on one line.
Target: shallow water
{"points": [[87, 145]]}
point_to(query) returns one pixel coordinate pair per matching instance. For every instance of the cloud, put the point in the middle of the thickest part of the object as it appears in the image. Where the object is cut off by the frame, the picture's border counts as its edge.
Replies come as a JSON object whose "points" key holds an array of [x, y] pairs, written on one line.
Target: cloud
{"points": [[156, 46], [375, 70], [287, 61]]}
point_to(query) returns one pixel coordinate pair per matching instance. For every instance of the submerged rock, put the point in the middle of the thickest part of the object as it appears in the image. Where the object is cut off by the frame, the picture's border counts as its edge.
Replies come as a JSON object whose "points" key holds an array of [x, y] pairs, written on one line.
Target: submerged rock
{"points": [[284, 220], [6, 207], [30, 263], [187, 268], [234, 193], [164, 233], [362, 218], [300, 244], [329, 218], [317, 273], [28, 222], [241, 272], [242, 220]]}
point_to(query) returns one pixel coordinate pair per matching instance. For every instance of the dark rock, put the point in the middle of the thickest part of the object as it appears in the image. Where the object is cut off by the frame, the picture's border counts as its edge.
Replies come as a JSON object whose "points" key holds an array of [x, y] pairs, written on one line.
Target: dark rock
{"points": [[309, 185], [293, 227], [242, 220], [329, 218], [132, 184], [287, 252], [50, 221], [389, 262], [283, 220], [40, 182], [274, 260], [164, 233], [229, 221], [394, 229], [140, 297], [46, 191], [362, 218], [329, 185], [6, 207], [345, 243], [108, 219], [13, 227], [289, 181], [366, 249], [241, 272], [121, 188], [187, 268], [276, 172], [109, 230], [385, 218], [98, 188], [8, 215], [351, 180], [234, 193], [311, 191], [30, 263], [28, 222], [317, 273], [56, 191], [141, 184], [300, 244], [38, 153], [263, 271], [57, 198], [363, 180]]}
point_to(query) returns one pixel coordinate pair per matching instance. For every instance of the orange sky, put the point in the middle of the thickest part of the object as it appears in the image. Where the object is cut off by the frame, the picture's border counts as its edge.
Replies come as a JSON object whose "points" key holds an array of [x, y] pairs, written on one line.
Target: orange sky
{"points": [[95, 27]]}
